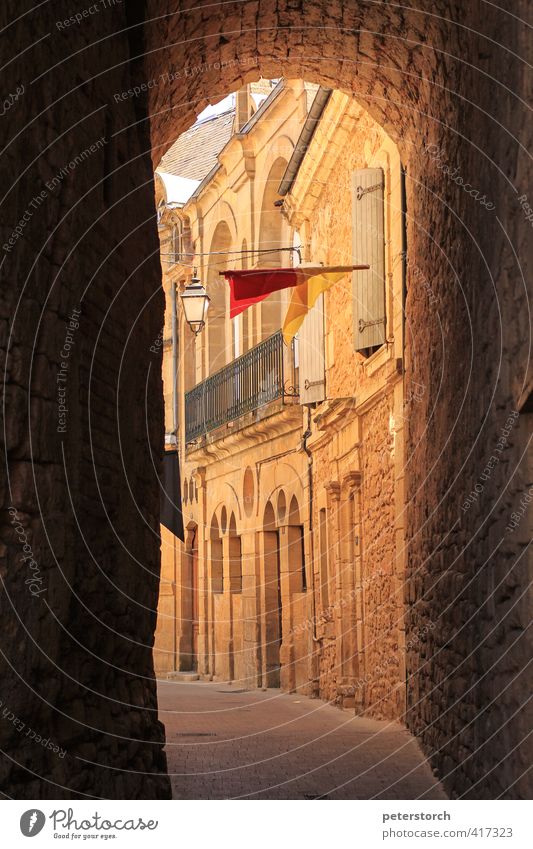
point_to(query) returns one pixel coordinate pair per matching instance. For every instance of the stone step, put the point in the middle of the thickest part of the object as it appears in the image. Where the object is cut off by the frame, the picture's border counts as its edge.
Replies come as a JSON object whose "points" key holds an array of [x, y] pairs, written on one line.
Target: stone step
{"points": [[178, 676]]}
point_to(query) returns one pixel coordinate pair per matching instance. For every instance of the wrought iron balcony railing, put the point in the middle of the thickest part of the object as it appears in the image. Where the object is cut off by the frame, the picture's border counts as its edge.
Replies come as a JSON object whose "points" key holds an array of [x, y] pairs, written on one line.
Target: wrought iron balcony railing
{"points": [[264, 374]]}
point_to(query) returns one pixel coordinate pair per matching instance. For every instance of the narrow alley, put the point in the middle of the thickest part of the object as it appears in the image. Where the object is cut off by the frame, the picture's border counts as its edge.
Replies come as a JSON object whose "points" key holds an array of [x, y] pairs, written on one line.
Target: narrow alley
{"points": [[224, 742]]}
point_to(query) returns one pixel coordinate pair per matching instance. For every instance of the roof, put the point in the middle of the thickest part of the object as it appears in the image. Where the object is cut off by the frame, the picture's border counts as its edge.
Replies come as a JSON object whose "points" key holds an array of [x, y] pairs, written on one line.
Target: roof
{"points": [[194, 153], [178, 190], [193, 158]]}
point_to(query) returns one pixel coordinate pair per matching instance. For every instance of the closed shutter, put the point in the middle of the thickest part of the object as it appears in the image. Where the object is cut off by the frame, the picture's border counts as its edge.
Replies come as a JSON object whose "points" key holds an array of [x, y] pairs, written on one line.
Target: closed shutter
{"points": [[311, 355], [368, 248]]}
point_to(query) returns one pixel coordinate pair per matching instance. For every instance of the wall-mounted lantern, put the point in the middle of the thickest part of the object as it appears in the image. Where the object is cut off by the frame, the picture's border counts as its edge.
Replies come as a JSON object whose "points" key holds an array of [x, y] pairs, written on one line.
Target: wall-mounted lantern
{"points": [[195, 302]]}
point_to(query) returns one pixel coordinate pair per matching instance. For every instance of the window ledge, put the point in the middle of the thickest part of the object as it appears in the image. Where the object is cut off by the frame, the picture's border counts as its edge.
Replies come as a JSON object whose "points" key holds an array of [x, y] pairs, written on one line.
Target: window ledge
{"points": [[379, 358]]}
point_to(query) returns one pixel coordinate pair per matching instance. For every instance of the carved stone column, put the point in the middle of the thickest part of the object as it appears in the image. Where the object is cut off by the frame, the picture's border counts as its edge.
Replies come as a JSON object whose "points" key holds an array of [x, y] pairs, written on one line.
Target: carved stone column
{"points": [[353, 660], [333, 490]]}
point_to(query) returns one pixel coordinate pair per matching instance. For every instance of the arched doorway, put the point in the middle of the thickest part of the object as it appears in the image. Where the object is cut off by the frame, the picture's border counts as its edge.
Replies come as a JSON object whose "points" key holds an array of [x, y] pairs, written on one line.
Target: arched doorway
{"points": [[217, 641], [272, 610], [190, 601]]}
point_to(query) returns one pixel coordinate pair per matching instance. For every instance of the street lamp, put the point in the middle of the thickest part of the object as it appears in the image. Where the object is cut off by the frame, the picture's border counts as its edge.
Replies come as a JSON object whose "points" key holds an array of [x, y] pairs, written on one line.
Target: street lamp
{"points": [[195, 302]]}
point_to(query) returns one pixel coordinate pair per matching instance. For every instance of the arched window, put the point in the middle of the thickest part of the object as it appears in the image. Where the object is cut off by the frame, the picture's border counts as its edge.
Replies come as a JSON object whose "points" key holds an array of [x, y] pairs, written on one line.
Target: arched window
{"points": [[217, 290], [235, 558], [247, 315], [271, 231]]}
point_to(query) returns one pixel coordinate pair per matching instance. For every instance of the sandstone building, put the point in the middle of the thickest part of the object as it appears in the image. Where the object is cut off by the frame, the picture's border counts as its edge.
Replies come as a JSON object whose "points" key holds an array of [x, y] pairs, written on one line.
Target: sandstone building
{"points": [[292, 570]]}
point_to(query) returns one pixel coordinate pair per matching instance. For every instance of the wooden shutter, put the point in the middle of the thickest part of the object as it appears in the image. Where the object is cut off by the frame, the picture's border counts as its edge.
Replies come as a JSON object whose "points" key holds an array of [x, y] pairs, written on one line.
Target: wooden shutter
{"points": [[312, 375], [368, 247]]}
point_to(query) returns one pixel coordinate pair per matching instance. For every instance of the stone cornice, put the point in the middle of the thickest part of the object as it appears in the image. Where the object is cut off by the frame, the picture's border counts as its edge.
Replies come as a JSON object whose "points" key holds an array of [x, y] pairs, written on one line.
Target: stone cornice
{"points": [[332, 417], [278, 420]]}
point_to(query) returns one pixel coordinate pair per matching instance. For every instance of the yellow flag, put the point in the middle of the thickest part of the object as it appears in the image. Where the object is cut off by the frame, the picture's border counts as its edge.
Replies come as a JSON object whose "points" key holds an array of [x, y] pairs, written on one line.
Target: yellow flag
{"points": [[304, 296]]}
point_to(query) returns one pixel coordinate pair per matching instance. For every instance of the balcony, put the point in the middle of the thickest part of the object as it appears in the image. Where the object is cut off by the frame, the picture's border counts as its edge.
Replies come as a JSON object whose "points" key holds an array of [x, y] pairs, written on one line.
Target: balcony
{"points": [[264, 374]]}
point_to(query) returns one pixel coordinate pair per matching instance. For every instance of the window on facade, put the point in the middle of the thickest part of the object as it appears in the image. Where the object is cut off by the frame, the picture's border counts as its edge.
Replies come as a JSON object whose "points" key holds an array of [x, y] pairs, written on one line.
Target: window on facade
{"points": [[235, 564], [368, 247], [177, 243], [247, 315], [236, 334], [215, 338], [189, 357], [217, 566], [297, 575]]}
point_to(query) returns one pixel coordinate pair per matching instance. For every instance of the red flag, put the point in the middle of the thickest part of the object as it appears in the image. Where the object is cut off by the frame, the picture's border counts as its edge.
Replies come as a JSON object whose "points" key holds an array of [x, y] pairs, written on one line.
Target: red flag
{"points": [[252, 286], [236, 307]]}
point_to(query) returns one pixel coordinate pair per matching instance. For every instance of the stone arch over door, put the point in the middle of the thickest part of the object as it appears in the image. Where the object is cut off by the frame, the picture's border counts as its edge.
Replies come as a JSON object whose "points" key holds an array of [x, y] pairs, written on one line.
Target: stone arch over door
{"points": [[412, 69]]}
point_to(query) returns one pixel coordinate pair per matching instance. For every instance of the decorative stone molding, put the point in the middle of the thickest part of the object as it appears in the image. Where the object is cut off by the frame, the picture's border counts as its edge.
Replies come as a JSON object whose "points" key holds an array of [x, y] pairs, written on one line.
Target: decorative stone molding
{"points": [[352, 480], [333, 489]]}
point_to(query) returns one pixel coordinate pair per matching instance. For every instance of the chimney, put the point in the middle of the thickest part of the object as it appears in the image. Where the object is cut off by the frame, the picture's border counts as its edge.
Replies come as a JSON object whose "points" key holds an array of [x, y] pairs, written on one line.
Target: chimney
{"points": [[243, 107]]}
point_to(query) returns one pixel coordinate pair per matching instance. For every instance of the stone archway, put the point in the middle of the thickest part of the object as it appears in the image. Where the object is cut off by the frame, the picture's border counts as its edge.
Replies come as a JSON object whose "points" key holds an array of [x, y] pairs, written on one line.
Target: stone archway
{"points": [[408, 69], [87, 496]]}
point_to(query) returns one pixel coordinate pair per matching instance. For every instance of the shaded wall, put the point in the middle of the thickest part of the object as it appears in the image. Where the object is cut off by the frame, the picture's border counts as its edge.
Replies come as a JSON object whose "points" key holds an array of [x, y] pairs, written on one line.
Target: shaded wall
{"points": [[80, 556]]}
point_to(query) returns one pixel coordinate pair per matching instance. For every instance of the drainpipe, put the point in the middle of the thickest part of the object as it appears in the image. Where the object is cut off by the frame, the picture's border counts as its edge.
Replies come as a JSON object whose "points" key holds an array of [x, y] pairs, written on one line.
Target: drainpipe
{"points": [[305, 447], [311, 123], [174, 364], [175, 436], [316, 640]]}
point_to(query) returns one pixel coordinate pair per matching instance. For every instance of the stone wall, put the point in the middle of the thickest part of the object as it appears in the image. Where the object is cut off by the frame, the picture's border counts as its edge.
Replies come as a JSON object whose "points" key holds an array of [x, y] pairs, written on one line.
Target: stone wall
{"points": [[384, 688], [362, 443], [427, 81], [80, 547]]}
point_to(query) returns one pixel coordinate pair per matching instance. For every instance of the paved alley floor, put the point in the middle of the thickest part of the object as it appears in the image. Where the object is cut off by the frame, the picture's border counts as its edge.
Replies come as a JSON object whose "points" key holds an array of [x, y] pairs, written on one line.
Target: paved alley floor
{"points": [[223, 743]]}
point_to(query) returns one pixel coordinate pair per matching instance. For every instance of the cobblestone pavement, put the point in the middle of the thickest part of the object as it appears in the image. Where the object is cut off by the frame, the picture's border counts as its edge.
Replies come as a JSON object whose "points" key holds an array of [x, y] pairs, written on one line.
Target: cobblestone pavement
{"points": [[225, 743]]}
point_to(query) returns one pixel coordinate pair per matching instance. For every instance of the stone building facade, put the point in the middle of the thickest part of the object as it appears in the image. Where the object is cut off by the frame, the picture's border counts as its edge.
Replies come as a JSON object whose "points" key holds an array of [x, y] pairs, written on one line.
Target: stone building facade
{"points": [[292, 570], [356, 441]]}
